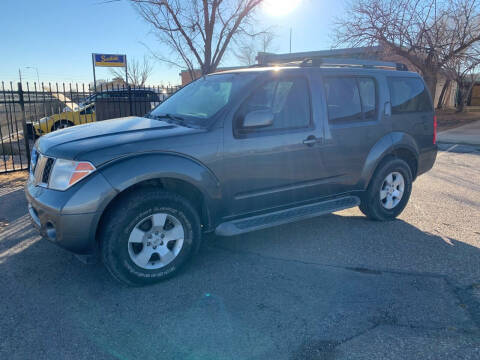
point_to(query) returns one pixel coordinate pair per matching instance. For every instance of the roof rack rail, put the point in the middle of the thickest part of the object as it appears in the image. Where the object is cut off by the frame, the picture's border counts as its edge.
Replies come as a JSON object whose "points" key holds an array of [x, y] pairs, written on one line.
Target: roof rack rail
{"points": [[341, 62], [344, 62]]}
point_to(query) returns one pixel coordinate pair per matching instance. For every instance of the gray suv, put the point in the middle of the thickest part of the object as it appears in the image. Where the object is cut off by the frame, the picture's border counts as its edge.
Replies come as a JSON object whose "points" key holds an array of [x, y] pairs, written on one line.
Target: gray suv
{"points": [[230, 153]]}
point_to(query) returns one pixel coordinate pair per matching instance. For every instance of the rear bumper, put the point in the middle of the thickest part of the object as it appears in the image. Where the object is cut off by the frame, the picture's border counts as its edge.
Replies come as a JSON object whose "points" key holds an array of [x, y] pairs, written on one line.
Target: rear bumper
{"points": [[70, 218], [426, 160]]}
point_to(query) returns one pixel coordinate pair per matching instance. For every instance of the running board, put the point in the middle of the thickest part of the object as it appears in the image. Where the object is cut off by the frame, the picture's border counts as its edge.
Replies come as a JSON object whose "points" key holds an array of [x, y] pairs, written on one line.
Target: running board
{"points": [[258, 222]]}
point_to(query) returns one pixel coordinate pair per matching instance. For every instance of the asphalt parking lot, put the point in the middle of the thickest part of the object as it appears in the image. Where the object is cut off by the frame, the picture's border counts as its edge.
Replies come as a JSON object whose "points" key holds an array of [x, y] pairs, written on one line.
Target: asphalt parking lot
{"points": [[334, 287]]}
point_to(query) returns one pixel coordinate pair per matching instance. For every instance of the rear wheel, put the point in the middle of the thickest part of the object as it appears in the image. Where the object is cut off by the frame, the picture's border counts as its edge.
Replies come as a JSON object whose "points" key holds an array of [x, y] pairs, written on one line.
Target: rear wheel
{"points": [[388, 191], [149, 236]]}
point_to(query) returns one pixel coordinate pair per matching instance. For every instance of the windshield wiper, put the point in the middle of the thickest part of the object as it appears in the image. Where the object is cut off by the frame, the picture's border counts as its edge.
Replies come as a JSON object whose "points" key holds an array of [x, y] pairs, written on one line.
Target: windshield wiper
{"points": [[174, 118]]}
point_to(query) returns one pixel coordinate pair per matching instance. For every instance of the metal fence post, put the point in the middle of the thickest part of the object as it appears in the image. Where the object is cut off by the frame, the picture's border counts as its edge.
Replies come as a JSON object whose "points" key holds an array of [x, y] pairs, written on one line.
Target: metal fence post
{"points": [[130, 100], [24, 122]]}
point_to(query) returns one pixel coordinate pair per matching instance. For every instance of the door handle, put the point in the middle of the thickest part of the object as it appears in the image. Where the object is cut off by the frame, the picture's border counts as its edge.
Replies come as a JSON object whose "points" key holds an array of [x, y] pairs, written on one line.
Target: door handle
{"points": [[388, 108], [311, 140]]}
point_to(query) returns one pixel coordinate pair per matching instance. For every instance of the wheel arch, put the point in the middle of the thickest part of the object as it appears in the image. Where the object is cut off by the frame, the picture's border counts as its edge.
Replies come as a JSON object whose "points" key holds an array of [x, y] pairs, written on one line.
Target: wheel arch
{"points": [[395, 145], [181, 187], [178, 174]]}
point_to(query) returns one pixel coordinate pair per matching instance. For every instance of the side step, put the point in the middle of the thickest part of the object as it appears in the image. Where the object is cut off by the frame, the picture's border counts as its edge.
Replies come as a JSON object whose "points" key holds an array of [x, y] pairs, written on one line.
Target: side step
{"points": [[258, 222]]}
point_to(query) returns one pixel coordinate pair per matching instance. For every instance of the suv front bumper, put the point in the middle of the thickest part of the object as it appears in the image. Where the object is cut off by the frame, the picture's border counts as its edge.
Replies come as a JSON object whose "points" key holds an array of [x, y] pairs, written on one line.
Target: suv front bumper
{"points": [[70, 218]]}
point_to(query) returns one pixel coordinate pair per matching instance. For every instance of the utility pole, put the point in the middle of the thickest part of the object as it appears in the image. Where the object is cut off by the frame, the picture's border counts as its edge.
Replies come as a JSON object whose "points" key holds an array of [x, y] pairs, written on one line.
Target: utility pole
{"points": [[20, 75], [290, 40]]}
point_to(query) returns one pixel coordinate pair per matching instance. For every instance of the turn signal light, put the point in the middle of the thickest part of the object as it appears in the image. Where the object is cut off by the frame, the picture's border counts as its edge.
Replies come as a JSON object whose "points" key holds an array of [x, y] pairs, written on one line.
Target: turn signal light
{"points": [[81, 170]]}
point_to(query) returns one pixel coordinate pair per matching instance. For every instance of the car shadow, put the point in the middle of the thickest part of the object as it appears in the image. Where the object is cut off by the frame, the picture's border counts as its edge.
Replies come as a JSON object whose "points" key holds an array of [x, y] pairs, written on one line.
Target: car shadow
{"points": [[294, 291], [347, 238]]}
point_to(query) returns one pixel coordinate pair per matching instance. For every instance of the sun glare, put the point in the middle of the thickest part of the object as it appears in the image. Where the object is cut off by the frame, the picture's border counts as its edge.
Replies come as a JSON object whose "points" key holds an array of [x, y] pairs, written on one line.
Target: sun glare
{"points": [[280, 7]]}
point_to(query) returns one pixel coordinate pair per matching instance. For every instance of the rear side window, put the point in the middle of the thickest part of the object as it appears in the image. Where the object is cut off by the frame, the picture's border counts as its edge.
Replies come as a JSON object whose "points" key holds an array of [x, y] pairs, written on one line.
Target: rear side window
{"points": [[350, 99], [408, 95]]}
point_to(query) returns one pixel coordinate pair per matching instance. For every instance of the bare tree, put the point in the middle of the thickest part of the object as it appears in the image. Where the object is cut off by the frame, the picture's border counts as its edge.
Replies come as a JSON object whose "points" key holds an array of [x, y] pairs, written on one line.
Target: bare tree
{"points": [[247, 51], [427, 33], [464, 71], [198, 32], [138, 72]]}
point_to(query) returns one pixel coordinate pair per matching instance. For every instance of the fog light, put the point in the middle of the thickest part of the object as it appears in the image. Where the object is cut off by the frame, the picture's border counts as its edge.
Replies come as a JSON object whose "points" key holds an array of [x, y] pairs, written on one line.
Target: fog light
{"points": [[50, 231]]}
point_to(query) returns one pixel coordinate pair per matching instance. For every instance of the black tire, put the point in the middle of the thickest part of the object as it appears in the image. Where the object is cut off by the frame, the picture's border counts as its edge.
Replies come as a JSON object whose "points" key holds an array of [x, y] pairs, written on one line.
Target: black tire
{"points": [[371, 204], [61, 124], [121, 219]]}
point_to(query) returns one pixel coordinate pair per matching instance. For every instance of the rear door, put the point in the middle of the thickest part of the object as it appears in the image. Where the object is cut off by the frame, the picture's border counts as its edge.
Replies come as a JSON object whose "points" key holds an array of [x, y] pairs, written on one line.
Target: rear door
{"points": [[355, 122]]}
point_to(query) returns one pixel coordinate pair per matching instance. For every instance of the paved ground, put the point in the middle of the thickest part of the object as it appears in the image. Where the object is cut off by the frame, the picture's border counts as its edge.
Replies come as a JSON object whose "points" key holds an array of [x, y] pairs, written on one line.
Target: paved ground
{"points": [[467, 134], [335, 287]]}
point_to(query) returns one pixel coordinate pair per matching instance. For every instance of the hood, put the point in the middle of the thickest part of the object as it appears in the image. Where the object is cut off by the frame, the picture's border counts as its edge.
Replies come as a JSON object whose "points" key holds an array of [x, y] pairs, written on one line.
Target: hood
{"points": [[110, 138]]}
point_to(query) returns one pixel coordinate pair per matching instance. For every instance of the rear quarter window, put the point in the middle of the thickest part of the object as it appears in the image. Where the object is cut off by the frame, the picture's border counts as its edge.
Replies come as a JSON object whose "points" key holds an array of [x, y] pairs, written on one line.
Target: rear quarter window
{"points": [[408, 95]]}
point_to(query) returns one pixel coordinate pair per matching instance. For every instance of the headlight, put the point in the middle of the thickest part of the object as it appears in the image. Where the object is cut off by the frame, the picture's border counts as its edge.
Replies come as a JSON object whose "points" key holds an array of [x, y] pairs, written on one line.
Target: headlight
{"points": [[65, 173], [44, 119]]}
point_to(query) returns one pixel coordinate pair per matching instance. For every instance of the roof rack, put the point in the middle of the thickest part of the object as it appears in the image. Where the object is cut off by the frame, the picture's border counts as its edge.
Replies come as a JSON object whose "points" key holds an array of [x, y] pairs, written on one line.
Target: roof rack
{"points": [[355, 63], [339, 62]]}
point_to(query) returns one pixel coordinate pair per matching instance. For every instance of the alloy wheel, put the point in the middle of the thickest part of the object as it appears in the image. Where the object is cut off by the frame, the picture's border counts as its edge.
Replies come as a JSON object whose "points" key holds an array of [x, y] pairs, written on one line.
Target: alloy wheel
{"points": [[155, 241], [391, 191]]}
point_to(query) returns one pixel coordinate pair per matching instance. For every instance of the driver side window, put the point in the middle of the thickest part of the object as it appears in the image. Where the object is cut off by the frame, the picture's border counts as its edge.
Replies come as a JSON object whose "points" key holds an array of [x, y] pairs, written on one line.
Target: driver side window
{"points": [[288, 99]]}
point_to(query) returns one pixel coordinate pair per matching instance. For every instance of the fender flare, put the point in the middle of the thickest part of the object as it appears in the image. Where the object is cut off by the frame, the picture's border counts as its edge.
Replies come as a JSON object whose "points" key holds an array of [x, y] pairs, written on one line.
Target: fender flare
{"points": [[128, 171], [384, 147]]}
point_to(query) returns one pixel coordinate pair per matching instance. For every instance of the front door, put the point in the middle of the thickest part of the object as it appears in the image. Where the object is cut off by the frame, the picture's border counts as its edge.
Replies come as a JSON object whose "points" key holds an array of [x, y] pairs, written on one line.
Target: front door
{"points": [[277, 165]]}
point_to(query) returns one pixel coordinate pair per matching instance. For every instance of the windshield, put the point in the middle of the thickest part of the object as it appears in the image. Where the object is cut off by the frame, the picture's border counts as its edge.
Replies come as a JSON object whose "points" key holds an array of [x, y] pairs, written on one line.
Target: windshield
{"points": [[203, 98]]}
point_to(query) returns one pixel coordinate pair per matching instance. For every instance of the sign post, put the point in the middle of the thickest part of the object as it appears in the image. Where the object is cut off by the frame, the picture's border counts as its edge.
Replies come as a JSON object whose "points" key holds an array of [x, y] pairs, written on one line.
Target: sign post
{"points": [[108, 60]]}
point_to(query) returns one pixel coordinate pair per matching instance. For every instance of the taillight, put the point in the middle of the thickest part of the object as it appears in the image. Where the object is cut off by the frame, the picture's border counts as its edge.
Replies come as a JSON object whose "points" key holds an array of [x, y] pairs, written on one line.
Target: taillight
{"points": [[434, 129]]}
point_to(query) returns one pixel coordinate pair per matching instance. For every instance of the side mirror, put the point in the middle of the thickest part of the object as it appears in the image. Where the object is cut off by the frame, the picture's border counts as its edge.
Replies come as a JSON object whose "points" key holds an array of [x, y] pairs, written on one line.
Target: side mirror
{"points": [[258, 119]]}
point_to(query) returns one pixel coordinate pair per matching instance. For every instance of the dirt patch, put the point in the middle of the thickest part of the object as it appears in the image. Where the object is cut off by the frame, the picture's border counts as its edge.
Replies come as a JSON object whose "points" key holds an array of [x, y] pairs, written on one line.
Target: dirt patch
{"points": [[13, 179], [13, 153], [449, 119], [11, 148]]}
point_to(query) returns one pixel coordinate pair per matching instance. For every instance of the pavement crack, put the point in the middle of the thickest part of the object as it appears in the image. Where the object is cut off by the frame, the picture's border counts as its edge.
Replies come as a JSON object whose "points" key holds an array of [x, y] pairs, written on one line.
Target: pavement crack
{"points": [[467, 300], [358, 268], [324, 349]]}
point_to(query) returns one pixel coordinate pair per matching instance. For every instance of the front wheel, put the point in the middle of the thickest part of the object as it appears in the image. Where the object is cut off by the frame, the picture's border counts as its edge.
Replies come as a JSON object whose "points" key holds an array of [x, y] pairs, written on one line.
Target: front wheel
{"points": [[388, 191], [62, 124], [149, 236]]}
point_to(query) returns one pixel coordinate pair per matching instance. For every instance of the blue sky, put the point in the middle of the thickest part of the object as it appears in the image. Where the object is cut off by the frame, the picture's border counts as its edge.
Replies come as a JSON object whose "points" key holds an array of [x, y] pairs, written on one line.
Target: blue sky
{"points": [[58, 36]]}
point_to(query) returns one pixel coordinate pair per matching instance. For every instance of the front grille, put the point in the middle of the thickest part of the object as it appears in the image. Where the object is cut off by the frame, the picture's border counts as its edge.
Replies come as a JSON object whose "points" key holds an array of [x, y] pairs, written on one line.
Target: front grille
{"points": [[47, 170], [43, 168]]}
